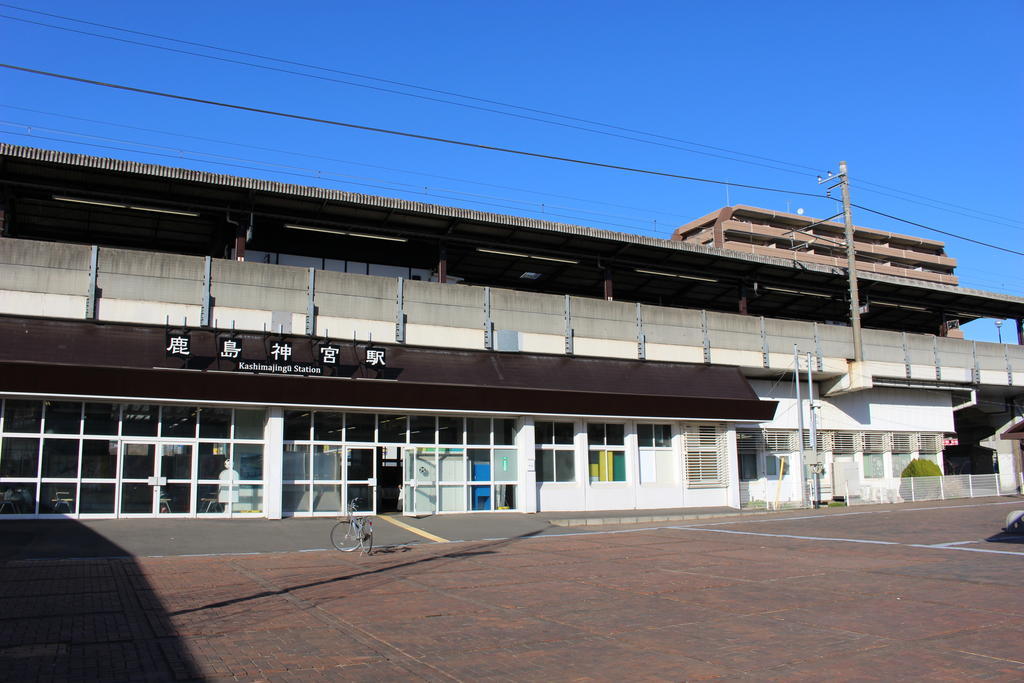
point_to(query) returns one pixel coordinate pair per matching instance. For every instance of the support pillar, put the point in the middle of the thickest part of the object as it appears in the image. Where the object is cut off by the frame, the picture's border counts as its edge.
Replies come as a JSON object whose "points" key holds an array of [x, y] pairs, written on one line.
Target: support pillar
{"points": [[1020, 331], [608, 284], [442, 264]]}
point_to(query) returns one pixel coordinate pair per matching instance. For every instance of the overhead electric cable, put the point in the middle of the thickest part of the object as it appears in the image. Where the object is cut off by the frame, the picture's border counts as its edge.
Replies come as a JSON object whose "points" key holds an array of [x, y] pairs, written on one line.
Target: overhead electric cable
{"points": [[327, 177], [674, 214], [467, 97], [941, 232], [388, 81], [416, 136]]}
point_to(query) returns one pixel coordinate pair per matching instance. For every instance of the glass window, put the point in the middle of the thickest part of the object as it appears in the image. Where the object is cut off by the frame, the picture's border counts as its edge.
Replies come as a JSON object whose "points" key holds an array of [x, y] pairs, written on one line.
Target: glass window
{"points": [[479, 464], [296, 425], [504, 432], [451, 464], [63, 417], [452, 498], [327, 497], [178, 421], [900, 462], [137, 460], [874, 466], [506, 466], [362, 496], [360, 464], [654, 436], [99, 460], [19, 457], [96, 499], [561, 433], [249, 499], [60, 458], [605, 434], [359, 426], [176, 461], [449, 430], [328, 426], [139, 419], [294, 498], [213, 458], [22, 416], [249, 423], [327, 463], [392, 428], [504, 496], [607, 466], [214, 423], [18, 498], [772, 464], [556, 465], [421, 429], [748, 466], [478, 431], [295, 462], [249, 461], [480, 497], [58, 498], [102, 418]]}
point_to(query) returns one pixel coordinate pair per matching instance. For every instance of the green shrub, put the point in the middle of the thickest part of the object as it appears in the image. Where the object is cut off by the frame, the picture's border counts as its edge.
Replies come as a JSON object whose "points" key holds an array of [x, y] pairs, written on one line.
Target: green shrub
{"points": [[921, 468]]}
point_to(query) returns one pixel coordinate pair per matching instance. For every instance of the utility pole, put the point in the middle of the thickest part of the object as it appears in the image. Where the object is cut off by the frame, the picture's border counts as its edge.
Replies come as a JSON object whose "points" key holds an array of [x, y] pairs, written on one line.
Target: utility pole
{"points": [[851, 265]]}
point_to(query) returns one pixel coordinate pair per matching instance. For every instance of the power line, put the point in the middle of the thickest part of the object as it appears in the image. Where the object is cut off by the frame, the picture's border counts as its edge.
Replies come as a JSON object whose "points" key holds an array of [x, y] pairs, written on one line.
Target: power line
{"points": [[673, 214], [404, 94], [533, 206], [390, 82], [466, 97], [462, 143], [416, 136], [471, 98], [941, 232]]}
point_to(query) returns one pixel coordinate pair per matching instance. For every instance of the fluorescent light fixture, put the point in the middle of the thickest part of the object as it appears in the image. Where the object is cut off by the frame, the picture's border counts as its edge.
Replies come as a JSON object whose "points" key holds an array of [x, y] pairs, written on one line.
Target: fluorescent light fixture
{"points": [[529, 276], [678, 275], [331, 231], [173, 212], [311, 229], [798, 293], [377, 237], [907, 306], [134, 207], [530, 256], [76, 200]]}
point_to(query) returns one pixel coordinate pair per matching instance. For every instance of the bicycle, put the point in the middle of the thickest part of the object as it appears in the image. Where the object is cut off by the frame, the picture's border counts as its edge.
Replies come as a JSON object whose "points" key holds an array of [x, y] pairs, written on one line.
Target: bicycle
{"points": [[353, 531]]}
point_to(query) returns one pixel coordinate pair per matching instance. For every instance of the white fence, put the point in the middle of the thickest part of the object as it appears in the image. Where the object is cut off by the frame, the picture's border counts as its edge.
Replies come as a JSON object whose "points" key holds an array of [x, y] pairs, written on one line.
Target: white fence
{"points": [[912, 489]]}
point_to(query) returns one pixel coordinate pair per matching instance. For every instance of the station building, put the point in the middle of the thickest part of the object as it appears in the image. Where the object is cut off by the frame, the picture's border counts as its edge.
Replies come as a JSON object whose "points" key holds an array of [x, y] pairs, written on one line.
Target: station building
{"points": [[188, 344]]}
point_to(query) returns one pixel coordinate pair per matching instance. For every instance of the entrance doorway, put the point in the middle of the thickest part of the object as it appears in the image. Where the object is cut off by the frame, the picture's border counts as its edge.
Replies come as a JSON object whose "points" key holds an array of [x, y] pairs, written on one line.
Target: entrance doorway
{"points": [[155, 478]]}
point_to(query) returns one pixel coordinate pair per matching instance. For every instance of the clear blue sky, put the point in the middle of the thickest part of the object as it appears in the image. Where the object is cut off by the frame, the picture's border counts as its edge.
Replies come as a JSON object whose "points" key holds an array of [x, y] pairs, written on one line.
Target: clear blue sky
{"points": [[923, 98]]}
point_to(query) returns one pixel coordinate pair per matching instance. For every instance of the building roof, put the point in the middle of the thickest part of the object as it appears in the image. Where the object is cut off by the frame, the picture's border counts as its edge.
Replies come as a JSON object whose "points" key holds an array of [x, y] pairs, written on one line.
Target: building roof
{"points": [[569, 259]]}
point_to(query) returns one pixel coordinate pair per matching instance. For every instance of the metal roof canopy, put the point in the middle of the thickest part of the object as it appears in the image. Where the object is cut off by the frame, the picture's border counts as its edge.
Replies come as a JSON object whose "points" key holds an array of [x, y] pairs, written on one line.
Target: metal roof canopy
{"points": [[560, 258]]}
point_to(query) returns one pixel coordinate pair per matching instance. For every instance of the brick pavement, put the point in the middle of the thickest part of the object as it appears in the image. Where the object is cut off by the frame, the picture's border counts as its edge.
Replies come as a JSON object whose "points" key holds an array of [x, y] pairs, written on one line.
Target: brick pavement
{"points": [[657, 604]]}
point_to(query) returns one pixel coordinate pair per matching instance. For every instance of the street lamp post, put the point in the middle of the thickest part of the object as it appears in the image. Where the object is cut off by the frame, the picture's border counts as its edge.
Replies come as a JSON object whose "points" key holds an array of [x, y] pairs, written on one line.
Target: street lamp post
{"points": [[999, 330]]}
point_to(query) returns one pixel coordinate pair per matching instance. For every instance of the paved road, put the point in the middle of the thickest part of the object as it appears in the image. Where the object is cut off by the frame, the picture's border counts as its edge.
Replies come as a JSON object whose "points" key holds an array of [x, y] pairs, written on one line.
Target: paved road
{"points": [[874, 593]]}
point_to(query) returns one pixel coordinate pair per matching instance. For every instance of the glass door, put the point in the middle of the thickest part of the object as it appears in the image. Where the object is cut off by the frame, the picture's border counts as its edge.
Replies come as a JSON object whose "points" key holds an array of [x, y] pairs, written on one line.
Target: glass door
{"points": [[359, 477], [421, 481], [155, 479], [138, 480]]}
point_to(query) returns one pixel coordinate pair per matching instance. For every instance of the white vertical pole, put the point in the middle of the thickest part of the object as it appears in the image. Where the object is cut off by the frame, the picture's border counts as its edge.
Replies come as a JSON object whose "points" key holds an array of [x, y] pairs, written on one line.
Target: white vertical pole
{"points": [[942, 490], [528, 469], [970, 485], [913, 498], [272, 463], [799, 465]]}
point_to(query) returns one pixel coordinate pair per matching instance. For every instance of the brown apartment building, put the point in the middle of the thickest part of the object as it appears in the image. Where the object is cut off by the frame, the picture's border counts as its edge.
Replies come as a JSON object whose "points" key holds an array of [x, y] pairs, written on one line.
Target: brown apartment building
{"points": [[752, 230]]}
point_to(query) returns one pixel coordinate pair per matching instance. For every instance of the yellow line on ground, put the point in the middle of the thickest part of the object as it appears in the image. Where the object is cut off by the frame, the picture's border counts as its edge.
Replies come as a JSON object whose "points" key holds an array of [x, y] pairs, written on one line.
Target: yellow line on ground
{"points": [[409, 527]]}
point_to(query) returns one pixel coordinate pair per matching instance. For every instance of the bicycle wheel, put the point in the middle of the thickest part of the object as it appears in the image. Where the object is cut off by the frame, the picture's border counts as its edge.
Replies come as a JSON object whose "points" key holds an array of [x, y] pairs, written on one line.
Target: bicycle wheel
{"points": [[367, 537], [344, 537]]}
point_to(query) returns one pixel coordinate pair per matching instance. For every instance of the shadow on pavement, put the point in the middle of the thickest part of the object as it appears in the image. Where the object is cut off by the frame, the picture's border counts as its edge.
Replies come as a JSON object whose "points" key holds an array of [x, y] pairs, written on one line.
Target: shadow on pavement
{"points": [[478, 548], [82, 619]]}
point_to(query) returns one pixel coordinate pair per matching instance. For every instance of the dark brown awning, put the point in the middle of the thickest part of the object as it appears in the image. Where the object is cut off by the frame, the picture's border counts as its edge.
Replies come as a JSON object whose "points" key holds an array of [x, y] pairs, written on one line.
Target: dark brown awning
{"points": [[1014, 432], [84, 358]]}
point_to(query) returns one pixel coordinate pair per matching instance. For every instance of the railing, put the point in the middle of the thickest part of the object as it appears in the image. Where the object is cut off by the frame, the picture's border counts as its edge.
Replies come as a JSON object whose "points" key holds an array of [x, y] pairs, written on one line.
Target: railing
{"points": [[913, 489]]}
